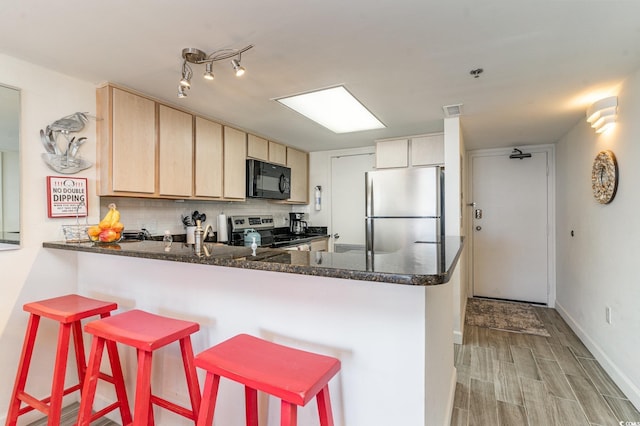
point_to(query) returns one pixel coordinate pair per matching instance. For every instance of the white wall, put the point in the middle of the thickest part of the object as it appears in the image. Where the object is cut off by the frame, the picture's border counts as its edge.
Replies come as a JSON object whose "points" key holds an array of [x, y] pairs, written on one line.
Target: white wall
{"points": [[598, 267], [320, 174], [32, 273], [454, 202]]}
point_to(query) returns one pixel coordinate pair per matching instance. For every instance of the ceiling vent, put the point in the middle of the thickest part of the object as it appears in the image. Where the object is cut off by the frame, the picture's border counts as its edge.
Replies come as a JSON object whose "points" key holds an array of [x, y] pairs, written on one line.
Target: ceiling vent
{"points": [[452, 110]]}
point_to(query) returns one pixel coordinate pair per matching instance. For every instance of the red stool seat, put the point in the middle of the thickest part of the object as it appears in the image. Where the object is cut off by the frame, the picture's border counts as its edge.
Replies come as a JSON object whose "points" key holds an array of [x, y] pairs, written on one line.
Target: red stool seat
{"points": [[68, 310], [293, 375], [146, 332]]}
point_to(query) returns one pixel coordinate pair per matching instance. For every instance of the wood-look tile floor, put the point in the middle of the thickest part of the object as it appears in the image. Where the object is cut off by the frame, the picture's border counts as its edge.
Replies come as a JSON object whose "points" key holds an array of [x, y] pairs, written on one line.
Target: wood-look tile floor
{"points": [[520, 379]]}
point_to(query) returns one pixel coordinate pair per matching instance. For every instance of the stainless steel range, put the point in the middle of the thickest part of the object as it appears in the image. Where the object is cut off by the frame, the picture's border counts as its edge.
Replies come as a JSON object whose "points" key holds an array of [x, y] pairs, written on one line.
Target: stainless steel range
{"points": [[270, 236], [239, 225]]}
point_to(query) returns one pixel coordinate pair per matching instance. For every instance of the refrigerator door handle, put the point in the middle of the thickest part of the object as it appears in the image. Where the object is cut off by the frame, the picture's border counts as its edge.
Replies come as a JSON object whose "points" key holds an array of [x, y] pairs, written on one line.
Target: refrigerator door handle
{"points": [[369, 235], [368, 195]]}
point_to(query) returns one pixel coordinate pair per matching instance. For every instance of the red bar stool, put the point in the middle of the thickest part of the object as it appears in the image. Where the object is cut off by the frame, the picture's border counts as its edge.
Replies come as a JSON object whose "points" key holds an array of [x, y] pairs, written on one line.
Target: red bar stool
{"points": [[146, 332], [292, 375], [68, 310]]}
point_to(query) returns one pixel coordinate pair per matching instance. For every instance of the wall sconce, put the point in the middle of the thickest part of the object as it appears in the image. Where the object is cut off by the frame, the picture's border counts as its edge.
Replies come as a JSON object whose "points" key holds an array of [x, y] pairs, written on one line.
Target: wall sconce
{"points": [[191, 55], [602, 114]]}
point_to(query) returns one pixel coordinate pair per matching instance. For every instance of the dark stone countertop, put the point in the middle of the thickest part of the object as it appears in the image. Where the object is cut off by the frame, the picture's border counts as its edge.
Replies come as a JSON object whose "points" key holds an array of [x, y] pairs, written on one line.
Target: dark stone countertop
{"points": [[420, 264]]}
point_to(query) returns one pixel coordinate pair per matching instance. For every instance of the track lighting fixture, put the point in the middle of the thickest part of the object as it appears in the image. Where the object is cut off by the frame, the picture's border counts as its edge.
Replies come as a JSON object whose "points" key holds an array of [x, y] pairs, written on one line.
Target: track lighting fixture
{"points": [[192, 55]]}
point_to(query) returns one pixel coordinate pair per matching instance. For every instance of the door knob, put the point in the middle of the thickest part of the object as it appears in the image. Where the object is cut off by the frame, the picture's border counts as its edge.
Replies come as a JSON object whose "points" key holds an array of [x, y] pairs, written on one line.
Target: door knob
{"points": [[336, 235], [478, 228]]}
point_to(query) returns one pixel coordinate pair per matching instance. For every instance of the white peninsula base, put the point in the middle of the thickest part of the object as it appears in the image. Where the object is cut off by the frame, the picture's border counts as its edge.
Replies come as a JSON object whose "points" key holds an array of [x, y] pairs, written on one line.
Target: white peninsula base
{"points": [[395, 341]]}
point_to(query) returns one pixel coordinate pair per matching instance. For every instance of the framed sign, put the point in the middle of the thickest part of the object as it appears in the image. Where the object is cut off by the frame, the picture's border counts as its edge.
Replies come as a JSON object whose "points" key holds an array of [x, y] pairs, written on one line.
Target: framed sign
{"points": [[67, 197]]}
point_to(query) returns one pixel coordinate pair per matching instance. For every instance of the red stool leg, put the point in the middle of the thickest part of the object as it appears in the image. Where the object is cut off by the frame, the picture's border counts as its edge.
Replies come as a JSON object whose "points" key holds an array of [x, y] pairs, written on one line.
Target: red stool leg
{"points": [[210, 394], [324, 407], [288, 414], [59, 371], [143, 389], [81, 359], [192, 377], [90, 382], [251, 405], [23, 369], [118, 382]]}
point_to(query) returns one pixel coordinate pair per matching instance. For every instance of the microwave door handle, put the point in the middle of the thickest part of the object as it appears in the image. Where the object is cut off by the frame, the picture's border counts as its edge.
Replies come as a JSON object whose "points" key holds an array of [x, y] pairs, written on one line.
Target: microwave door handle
{"points": [[282, 185]]}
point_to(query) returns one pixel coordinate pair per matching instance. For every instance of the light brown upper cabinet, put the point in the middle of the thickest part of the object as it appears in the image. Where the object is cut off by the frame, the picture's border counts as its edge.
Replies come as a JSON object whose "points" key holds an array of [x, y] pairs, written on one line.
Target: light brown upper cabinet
{"points": [[277, 153], [175, 136], [126, 140], [422, 150], [235, 163], [298, 161], [392, 153], [257, 147], [262, 149], [208, 159], [427, 150]]}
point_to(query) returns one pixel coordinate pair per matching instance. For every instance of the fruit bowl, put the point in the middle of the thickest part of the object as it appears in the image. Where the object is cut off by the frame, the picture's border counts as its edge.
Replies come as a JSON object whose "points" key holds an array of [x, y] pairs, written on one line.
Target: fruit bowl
{"points": [[104, 236]]}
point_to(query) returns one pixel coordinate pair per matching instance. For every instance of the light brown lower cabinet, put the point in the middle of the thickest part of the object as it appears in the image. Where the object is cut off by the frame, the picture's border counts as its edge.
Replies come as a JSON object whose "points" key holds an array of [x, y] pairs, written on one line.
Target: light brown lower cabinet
{"points": [[321, 244]]}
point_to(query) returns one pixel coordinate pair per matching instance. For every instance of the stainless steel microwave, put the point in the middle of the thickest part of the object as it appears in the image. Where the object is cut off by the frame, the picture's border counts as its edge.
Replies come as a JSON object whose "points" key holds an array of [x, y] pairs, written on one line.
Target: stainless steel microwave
{"points": [[266, 180]]}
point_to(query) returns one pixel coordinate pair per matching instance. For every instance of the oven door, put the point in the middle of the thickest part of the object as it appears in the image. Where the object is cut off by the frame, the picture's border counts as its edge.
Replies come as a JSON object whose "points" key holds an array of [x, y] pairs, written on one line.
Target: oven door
{"points": [[266, 180]]}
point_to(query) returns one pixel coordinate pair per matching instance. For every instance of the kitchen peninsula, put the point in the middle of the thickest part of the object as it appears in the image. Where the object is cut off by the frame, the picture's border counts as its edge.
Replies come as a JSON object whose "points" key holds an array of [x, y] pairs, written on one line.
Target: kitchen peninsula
{"points": [[387, 318]]}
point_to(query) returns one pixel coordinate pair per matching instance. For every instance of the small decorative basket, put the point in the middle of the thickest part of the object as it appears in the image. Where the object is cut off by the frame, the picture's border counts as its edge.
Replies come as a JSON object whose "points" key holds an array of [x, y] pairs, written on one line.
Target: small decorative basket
{"points": [[76, 233]]}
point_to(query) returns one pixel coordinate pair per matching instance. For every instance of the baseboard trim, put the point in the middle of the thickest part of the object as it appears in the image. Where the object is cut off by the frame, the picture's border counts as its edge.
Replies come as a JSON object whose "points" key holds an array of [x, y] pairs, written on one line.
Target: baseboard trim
{"points": [[622, 380], [452, 395]]}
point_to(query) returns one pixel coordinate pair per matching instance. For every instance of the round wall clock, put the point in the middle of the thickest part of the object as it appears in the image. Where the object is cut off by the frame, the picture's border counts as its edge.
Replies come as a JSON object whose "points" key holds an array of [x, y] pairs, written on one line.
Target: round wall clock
{"points": [[604, 177]]}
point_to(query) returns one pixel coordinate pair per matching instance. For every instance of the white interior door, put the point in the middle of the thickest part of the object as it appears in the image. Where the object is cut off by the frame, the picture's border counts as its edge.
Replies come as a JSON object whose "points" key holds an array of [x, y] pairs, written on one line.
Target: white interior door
{"points": [[348, 200], [510, 227]]}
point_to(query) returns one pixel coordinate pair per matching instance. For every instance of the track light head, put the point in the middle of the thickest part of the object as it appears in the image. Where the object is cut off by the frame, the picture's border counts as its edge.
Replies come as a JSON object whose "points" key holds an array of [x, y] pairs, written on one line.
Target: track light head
{"points": [[208, 72], [185, 81], [182, 91], [236, 66]]}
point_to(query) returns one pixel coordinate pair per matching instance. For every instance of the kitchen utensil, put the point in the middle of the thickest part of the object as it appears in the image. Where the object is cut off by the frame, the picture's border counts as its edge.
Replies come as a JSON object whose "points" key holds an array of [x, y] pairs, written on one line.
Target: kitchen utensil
{"points": [[52, 140], [188, 221], [76, 145], [69, 144], [197, 216], [45, 142]]}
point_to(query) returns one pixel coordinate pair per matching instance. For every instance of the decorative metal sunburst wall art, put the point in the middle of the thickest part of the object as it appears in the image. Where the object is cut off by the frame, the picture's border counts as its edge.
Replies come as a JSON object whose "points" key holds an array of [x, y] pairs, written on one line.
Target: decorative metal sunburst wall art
{"points": [[604, 177]]}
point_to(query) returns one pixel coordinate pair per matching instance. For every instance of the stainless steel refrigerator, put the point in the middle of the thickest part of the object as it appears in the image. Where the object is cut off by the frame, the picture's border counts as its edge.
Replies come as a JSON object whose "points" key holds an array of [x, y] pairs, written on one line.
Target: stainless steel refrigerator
{"points": [[403, 207]]}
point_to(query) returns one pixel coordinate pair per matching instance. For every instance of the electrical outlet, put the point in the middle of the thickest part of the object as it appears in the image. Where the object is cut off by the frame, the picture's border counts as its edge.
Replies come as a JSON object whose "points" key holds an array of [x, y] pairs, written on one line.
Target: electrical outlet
{"points": [[607, 314]]}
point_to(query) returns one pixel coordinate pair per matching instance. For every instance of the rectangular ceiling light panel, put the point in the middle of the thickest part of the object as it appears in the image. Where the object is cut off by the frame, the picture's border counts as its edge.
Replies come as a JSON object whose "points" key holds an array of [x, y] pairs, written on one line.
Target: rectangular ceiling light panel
{"points": [[334, 108]]}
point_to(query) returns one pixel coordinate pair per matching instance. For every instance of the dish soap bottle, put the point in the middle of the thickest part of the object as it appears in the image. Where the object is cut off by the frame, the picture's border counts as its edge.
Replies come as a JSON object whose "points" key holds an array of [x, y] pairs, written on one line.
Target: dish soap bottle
{"points": [[167, 239], [254, 246]]}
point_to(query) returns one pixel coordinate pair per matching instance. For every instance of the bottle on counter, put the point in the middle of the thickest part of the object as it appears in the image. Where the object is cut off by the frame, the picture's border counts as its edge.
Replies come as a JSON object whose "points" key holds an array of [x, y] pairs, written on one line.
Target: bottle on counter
{"points": [[167, 239]]}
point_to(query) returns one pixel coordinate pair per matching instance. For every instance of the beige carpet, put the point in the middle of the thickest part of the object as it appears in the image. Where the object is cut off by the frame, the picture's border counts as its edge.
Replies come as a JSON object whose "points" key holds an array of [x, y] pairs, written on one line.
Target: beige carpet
{"points": [[509, 316]]}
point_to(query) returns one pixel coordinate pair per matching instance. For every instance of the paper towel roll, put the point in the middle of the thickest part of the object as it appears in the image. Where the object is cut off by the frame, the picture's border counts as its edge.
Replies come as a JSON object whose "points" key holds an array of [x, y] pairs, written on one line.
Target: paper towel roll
{"points": [[222, 228]]}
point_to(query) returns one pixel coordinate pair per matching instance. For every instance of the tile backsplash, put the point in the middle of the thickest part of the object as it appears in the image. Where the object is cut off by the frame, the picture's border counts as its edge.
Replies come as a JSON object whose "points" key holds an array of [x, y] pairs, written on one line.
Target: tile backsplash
{"points": [[159, 215]]}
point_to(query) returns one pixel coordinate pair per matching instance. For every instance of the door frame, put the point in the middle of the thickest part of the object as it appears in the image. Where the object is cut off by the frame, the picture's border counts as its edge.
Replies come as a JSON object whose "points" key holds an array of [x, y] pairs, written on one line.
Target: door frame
{"points": [[549, 149]]}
